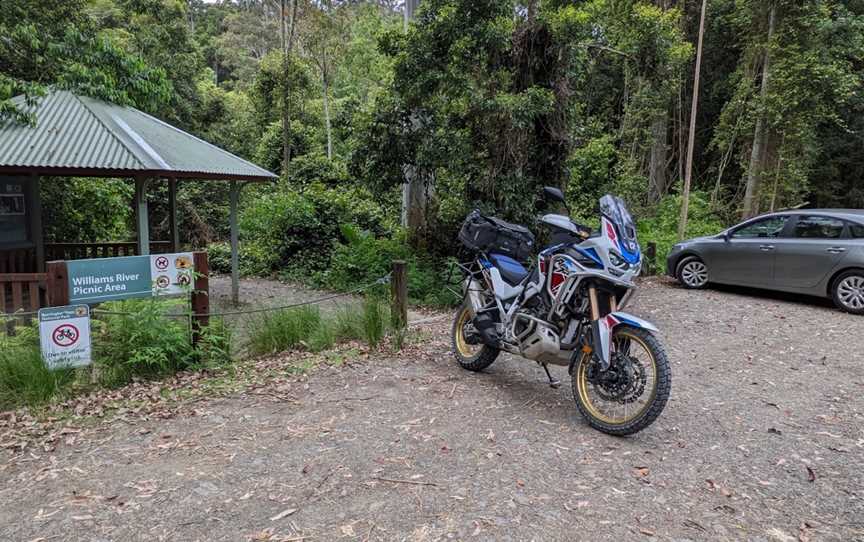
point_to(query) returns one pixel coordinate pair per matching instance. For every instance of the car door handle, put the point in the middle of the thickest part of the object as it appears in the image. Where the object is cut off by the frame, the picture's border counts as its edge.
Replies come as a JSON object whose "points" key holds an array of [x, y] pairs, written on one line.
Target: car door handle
{"points": [[766, 248], [835, 250]]}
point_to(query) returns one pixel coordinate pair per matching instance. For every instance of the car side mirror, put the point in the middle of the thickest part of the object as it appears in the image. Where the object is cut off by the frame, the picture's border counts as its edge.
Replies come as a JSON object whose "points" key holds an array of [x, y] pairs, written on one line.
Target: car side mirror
{"points": [[727, 236], [553, 194]]}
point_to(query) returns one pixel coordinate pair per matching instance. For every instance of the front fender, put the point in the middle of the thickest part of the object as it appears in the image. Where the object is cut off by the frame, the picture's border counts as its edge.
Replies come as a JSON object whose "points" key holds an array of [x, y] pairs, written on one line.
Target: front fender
{"points": [[603, 328], [635, 321]]}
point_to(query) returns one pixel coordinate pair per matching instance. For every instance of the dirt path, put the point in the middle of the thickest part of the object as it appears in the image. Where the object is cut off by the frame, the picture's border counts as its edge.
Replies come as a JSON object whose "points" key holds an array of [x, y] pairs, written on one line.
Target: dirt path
{"points": [[762, 440]]}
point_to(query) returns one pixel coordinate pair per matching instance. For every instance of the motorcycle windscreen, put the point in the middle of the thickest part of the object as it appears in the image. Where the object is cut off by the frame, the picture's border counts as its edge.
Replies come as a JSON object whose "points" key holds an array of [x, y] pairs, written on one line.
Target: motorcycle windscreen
{"points": [[616, 211]]}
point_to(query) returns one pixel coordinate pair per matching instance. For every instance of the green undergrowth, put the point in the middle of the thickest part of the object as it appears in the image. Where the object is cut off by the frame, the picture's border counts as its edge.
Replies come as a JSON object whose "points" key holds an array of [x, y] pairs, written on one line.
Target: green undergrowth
{"points": [[306, 328], [137, 342], [132, 339]]}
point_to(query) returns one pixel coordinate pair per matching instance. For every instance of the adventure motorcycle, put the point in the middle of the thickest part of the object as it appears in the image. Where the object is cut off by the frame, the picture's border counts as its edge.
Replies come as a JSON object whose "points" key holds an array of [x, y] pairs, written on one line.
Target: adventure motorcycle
{"points": [[565, 310]]}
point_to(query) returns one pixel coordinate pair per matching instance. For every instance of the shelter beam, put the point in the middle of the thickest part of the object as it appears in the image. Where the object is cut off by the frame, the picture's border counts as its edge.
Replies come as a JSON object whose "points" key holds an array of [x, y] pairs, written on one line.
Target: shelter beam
{"points": [[142, 215], [36, 234], [172, 215], [235, 241]]}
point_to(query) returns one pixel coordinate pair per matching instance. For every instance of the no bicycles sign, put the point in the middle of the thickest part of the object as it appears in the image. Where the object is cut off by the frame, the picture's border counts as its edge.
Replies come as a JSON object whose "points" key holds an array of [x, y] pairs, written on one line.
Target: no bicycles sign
{"points": [[64, 334]]}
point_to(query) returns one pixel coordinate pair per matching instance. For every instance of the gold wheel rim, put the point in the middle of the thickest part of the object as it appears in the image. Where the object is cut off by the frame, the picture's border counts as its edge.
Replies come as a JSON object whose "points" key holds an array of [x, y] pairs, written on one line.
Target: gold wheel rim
{"points": [[462, 345], [584, 387]]}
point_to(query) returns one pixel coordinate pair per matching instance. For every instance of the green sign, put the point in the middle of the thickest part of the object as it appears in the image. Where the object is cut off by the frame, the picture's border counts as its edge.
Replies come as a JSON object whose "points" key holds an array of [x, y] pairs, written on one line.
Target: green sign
{"points": [[108, 279]]}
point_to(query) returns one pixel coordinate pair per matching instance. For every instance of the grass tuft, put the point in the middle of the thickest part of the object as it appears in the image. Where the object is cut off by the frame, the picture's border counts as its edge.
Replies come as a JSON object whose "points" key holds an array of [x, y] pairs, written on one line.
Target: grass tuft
{"points": [[24, 378]]}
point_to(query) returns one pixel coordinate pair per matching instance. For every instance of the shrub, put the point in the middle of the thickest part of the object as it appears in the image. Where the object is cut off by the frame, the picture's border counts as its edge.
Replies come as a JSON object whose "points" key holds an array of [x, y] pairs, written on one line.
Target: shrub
{"points": [[293, 229], [663, 227], [24, 378], [364, 258], [219, 257], [140, 340]]}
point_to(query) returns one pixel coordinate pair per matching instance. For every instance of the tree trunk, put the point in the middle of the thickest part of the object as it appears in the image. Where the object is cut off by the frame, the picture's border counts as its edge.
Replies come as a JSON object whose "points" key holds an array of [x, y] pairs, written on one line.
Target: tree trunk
{"points": [[694, 108], [325, 88], [287, 32], [760, 137], [657, 179]]}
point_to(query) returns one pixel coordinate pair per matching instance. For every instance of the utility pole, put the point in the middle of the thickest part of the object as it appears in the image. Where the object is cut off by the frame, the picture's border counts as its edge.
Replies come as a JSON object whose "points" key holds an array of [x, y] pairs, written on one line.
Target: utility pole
{"points": [[694, 108]]}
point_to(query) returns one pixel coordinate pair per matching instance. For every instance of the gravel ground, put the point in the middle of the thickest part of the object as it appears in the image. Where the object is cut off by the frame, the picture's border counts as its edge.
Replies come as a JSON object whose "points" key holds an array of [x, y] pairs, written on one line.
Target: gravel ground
{"points": [[762, 440]]}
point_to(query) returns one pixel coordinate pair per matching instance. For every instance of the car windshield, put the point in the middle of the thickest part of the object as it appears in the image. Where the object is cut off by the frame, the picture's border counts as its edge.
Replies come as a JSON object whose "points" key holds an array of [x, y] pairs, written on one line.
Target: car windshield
{"points": [[616, 211]]}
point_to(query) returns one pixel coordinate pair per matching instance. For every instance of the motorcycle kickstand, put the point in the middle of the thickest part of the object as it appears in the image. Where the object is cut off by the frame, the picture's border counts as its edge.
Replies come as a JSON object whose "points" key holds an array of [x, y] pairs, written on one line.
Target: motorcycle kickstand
{"points": [[554, 383]]}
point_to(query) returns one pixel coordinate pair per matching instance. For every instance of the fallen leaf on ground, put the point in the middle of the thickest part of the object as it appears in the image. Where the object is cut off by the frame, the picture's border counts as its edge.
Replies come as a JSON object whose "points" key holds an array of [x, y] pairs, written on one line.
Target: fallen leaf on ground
{"points": [[811, 474]]}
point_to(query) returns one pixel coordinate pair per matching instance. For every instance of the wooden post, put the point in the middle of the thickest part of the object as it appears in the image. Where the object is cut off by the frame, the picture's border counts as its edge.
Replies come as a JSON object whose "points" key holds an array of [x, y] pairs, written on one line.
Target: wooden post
{"points": [[172, 215], [58, 284], [399, 291], [651, 254], [200, 295]]}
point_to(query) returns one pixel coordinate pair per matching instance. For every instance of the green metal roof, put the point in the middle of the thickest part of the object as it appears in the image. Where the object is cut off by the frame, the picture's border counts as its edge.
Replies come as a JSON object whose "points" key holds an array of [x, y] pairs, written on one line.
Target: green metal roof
{"points": [[81, 136]]}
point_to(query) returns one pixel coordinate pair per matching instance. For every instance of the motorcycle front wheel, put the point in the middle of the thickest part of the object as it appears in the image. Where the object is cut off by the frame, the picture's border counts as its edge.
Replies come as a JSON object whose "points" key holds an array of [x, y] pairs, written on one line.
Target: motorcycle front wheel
{"points": [[632, 393], [467, 348]]}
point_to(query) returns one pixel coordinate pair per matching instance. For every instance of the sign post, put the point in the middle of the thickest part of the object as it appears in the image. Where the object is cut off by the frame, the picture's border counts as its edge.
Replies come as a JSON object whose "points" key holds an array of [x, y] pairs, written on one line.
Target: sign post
{"points": [[64, 336]]}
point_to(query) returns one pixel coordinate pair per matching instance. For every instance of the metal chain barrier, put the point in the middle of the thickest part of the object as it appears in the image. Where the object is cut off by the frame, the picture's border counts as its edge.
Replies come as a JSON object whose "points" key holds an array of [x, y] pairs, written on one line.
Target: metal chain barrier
{"points": [[382, 280], [379, 281]]}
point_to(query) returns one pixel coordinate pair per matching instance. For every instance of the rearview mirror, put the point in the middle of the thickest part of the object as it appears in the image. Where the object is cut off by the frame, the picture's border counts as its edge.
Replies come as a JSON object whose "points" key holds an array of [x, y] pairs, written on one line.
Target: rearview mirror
{"points": [[553, 194]]}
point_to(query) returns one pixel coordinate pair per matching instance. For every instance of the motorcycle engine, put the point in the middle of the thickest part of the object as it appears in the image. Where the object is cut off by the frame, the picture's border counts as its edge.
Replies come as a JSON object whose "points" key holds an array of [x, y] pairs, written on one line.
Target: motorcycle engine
{"points": [[537, 340]]}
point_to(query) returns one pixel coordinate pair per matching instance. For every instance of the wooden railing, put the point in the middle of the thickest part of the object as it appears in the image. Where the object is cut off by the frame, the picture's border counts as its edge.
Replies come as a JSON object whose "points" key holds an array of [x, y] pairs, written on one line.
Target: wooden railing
{"points": [[22, 292], [84, 251], [18, 260]]}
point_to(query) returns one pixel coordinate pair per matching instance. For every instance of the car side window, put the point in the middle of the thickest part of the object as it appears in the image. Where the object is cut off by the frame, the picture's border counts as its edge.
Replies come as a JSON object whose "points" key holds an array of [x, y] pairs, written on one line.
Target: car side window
{"points": [[767, 227], [819, 227], [857, 231]]}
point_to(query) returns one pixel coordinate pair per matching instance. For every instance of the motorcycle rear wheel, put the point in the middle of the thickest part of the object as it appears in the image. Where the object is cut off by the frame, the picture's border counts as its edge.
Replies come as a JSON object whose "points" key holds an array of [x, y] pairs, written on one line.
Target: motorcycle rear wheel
{"points": [[604, 414], [472, 357]]}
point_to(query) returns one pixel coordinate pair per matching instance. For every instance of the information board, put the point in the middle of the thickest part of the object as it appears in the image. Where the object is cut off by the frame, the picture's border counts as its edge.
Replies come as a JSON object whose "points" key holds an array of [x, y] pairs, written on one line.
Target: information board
{"points": [[108, 279]]}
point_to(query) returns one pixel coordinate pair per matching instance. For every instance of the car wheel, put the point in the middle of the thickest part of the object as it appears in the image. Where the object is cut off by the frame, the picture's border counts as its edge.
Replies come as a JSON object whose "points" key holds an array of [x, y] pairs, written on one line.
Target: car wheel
{"points": [[692, 273], [848, 292]]}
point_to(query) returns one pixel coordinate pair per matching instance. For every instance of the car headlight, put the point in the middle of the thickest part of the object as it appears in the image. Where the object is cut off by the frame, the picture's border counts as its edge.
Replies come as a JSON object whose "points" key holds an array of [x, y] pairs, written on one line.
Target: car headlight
{"points": [[677, 247]]}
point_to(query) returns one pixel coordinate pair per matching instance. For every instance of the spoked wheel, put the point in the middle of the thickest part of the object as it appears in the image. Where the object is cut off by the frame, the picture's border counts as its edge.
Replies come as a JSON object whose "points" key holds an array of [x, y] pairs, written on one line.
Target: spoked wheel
{"points": [[469, 350], [692, 273], [628, 396]]}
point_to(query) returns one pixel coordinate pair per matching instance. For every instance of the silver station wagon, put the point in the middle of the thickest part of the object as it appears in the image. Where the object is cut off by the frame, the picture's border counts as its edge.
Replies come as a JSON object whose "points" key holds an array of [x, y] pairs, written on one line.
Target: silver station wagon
{"points": [[816, 252]]}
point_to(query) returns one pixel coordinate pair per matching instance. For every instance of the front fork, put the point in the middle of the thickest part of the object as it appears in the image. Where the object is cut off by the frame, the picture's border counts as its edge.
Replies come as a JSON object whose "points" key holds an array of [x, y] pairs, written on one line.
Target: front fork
{"points": [[603, 325], [601, 328]]}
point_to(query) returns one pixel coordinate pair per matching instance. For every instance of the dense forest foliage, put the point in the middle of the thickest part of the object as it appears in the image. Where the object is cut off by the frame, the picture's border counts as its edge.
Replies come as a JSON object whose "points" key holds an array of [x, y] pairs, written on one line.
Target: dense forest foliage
{"points": [[480, 101]]}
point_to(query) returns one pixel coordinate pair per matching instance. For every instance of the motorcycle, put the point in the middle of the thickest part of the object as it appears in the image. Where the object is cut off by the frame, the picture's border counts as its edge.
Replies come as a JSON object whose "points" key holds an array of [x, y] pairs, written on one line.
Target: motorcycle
{"points": [[566, 310]]}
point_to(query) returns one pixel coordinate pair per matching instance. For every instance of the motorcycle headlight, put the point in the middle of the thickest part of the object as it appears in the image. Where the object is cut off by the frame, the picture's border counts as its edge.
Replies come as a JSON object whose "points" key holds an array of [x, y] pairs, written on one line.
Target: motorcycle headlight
{"points": [[617, 260]]}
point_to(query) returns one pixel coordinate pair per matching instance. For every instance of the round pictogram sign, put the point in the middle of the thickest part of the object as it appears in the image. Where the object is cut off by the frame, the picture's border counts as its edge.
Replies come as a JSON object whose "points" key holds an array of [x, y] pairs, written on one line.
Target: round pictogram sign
{"points": [[162, 263], [65, 335]]}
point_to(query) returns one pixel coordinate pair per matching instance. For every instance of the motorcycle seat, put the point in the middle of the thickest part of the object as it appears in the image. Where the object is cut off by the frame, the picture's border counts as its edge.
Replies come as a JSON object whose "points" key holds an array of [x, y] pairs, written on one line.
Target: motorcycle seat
{"points": [[511, 270]]}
